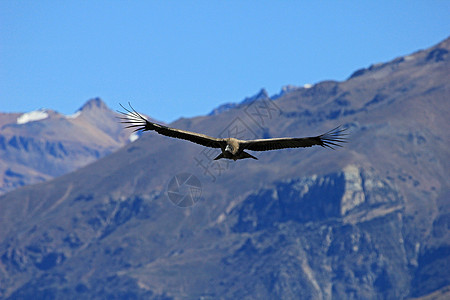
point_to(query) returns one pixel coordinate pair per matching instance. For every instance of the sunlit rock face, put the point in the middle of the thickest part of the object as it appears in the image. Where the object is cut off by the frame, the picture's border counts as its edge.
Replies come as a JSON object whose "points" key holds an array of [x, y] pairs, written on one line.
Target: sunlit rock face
{"points": [[351, 195]]}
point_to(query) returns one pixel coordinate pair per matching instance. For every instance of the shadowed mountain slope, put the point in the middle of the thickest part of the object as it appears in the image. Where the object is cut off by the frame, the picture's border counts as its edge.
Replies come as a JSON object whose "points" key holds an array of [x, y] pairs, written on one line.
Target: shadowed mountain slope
{"points": [[367, 221]]}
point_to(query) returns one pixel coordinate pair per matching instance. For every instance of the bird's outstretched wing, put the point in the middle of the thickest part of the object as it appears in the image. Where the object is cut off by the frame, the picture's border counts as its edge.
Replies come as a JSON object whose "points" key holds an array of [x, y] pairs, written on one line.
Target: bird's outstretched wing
{"points": [[137, 121], [329, 139]]}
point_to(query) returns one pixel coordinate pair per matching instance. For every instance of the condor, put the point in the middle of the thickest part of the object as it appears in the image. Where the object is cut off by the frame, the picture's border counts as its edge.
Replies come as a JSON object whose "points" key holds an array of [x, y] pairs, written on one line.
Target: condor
{"points": [[233, 148]]}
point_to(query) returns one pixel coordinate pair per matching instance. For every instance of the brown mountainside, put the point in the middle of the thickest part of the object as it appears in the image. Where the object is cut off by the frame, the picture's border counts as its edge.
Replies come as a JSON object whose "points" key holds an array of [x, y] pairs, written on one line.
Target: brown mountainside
{"points": [[368, 221], [40, 145]]}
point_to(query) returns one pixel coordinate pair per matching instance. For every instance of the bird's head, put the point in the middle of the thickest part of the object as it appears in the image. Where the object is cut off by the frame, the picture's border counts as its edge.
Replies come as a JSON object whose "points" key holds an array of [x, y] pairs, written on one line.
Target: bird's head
{"points": [[229, 148]]}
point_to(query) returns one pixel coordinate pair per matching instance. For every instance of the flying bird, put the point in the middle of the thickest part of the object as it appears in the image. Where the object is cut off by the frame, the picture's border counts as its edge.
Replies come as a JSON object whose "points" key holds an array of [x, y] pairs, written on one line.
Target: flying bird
{"points": [[232, 148]]}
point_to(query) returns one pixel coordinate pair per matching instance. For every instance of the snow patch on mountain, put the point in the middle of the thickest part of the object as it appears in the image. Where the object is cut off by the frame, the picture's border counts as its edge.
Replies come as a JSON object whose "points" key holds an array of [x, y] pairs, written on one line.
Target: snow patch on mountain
{"points": [[32, 116], [134, 136], [286, 89], [74, 116]]}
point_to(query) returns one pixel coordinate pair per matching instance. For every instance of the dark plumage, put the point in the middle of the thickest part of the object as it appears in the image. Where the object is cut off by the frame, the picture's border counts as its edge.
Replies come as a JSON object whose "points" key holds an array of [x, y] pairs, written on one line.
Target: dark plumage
{"points": [[233, 148]]}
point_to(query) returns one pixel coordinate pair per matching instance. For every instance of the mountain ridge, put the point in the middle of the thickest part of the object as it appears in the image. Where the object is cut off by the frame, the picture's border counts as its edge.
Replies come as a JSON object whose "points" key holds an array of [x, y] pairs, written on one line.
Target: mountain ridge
{"points": [[39, 145], [366, 221]]}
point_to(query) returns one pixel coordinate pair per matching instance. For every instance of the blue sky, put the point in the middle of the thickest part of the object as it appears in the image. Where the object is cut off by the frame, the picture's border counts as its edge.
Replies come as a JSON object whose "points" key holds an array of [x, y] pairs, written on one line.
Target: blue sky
{"points": [[183, 58]]}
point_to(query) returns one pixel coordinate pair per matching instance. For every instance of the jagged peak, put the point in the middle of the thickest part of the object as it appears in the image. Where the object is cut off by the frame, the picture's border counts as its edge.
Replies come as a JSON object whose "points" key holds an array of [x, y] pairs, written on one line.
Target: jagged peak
{"points": [[94, 103], [262, 94]]}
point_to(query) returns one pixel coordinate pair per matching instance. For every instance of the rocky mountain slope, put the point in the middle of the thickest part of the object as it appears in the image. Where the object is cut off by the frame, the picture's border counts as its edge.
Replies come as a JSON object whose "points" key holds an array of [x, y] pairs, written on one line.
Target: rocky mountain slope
{"points": [[37, 146], [368, 221]]}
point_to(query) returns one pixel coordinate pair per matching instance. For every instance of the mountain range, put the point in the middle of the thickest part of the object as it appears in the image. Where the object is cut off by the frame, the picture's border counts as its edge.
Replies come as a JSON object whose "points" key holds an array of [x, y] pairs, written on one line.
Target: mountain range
{"points": [[40, 145], [367, 221]]}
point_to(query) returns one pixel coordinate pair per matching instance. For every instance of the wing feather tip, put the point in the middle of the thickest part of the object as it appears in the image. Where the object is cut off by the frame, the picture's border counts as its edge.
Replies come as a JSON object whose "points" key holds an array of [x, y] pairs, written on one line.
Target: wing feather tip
{"points": [[334, 137]]}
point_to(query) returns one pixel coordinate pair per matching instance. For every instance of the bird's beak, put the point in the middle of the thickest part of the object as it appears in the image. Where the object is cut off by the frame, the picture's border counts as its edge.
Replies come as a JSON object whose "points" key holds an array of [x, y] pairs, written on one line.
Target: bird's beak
{"points": [[227, 148]]}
